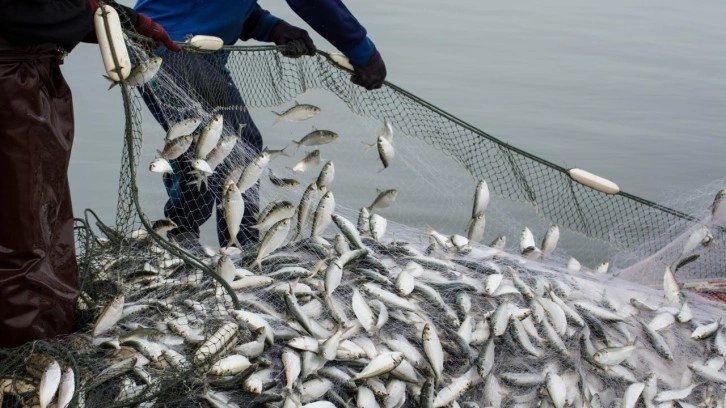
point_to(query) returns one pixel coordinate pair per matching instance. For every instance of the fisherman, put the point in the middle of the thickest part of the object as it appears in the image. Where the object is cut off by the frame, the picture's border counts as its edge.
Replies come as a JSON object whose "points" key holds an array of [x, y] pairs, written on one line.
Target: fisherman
{"points": [[205, 76], [38, 271]]}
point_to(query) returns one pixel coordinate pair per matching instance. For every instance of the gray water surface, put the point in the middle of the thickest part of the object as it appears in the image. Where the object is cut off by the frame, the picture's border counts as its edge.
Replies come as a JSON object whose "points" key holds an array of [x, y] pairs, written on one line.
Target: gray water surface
{"points": [[634, 92]]}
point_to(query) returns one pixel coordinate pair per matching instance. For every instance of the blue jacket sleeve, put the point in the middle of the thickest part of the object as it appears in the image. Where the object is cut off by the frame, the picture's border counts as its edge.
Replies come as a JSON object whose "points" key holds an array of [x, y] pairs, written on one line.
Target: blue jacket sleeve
{"points": [[258, 25], [332, 20]]}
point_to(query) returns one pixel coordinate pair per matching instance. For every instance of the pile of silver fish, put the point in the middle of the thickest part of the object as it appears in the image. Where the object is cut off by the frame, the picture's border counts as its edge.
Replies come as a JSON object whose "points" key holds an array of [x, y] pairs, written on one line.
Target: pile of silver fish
{"points": [[354, 318], [357, 320]]}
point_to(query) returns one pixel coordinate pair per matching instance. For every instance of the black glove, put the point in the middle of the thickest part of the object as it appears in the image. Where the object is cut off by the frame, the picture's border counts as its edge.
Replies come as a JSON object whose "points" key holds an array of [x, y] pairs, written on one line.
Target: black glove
{"points": [[297, 40], [371, 75]]}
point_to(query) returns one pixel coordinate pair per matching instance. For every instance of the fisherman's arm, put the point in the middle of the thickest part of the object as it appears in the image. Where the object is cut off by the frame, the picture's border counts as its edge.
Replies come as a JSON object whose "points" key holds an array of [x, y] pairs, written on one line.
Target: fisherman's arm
{"points": [[332, 20]]}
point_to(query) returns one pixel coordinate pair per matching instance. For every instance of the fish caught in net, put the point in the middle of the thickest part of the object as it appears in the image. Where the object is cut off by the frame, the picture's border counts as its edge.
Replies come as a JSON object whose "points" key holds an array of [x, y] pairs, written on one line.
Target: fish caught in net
{"points": [[332, 299]]}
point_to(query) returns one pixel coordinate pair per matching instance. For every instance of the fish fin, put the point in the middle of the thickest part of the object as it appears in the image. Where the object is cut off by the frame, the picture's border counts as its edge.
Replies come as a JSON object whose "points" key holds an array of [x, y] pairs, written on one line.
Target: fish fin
{"points": [[113, 83], [277, 119], [384, 167], [297, 103], [369, 145], [282, 152], [298, 145]]}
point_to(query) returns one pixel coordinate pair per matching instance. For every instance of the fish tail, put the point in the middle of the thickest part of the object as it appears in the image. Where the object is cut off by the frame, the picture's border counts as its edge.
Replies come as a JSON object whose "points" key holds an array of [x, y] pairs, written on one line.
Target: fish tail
{"points": [[282, 152], [369, 145], [277, 119], [298, 144]]}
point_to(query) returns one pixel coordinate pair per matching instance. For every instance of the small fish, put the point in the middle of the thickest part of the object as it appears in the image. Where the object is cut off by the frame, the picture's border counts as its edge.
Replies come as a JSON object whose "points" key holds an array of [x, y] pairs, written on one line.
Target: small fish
{"points": [[387, 132], [182, 128], [282, 182], [109, 316], [216, 342], [234, 208], [222, 150], [253, 171], [549, 243], [378, 226], [718, 207], [274, 212], [323, 214], [385, 151], [526, 242], [161, 165], [384, 199], [499, 242], [67, 388], [671, 287], [573, 265], [382, 364], [706, 330], [363, 221], [303, 209], [49, 383], [163, 226], [433, 350], [326, 176], [481, 198], [143, 72], [475, 229], [297, 113], [272, 240], [312, 159], [209, 136], [230, 365], [274, 154], [316, 137], [602, 267], [176, 147]]}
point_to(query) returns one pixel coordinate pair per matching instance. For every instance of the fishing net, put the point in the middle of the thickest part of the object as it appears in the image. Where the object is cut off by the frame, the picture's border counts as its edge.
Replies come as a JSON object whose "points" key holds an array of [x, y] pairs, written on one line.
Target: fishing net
{"points": [[395, 307]]}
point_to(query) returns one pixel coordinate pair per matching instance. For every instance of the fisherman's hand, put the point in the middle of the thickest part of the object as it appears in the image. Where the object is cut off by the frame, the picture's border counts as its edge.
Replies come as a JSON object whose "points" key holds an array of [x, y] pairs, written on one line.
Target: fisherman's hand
{"points": [[297, 40], [371, 75], [149, 28]]}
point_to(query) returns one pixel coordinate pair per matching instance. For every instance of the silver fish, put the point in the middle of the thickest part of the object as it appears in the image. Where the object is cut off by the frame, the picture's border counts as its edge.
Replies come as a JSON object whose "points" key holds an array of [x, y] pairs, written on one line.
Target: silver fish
{"points": [[549, 243], [109, 316], [312, 159], [253, 171], [718, 207], [176, 147], [144, 72], [303, 209], [222, 150], [234, 209], [49, 383], [209, 136], [67, 388], [272, 240], [326, 176], [475, 229], [384, 199], [274, 212], [282, 182], [385, 151], [297, 113], [481, 198], [322, 216], [182, 128], [160, 165], [316, 137]]}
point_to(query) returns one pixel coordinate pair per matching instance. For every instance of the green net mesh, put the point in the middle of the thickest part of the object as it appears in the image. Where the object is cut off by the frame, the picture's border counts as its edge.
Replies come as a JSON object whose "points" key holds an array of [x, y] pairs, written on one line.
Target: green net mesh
{"points": [[372, 310]]}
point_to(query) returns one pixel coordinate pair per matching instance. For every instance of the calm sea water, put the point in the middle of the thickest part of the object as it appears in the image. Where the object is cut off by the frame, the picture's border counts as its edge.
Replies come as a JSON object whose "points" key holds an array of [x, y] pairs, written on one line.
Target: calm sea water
{"points": [[634, 92]]}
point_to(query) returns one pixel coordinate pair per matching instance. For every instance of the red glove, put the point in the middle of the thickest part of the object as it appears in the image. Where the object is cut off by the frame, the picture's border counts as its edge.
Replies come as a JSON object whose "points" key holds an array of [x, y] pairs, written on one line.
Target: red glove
{"points": [[148, 28]]}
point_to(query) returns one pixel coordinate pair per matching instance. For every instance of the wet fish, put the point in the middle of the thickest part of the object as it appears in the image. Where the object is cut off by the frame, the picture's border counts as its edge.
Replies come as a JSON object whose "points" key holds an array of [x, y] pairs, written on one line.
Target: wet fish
{"points": [[326, 176], [160, 165], [144, 72], [481, 198], [297, 113], [109, 316], [316, 137], [312, 159], [176, 147], [253, 171], [384, 199], [234, 208], [282, 182], [182, 128], [49, 383]]}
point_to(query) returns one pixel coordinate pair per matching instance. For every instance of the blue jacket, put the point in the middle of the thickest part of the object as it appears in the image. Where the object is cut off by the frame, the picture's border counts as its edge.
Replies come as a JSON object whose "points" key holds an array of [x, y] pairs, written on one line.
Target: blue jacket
{"points": [[234, 19]]}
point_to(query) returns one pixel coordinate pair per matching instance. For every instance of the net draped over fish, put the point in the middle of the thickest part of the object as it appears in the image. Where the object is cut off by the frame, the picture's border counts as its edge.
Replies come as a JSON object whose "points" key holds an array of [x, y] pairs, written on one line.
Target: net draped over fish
{"points": [[344, 303]]}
